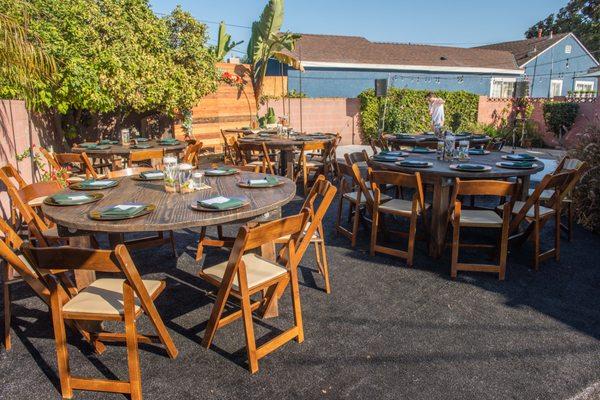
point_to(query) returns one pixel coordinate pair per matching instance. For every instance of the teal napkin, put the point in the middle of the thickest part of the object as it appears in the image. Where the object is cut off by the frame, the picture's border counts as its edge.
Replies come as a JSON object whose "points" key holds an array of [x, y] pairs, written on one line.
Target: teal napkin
{"points": [[412, 163], [155, 174], [141, 139], [266, 182], [404, 136], [418, 149], [477, 151], [222, 170], [87, 144], [389, 158], [98, 147], [519, 164], [520, 157], [142, 146], [70, 198], [390, 153], [122, 210], [91, 183], [471, 167], [220, 203], [107, 141], [168, 141]]}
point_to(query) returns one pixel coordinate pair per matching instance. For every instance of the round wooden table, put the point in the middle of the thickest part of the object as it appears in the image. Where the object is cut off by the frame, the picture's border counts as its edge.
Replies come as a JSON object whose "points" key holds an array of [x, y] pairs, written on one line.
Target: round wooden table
{"points": [[286, 145], [117, 151], [422, 139], [442, 178], [173, 210]]}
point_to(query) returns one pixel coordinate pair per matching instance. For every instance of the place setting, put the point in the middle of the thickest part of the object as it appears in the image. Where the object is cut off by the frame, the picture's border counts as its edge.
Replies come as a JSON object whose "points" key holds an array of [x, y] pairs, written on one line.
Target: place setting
{"points": [[168, 142], [223, 170], [94, 184], [470, 167], [153, 175], [72, 199], [141, 146], [478, 152], [108, 141], [414, 164], [268, 181], [421, 150], [519, 157], [220, 203], [389, 156], [517, 164], [121, 211]]}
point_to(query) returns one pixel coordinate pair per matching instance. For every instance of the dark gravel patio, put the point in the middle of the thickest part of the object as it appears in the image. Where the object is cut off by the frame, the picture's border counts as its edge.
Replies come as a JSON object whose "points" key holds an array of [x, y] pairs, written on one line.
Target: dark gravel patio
{"points": [[385, 332]]}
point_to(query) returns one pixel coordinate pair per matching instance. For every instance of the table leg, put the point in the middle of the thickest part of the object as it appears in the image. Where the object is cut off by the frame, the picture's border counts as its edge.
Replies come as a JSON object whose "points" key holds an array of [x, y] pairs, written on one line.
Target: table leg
{"points": [[287, 163], [439, 217], [82, 278], [525, 182]]}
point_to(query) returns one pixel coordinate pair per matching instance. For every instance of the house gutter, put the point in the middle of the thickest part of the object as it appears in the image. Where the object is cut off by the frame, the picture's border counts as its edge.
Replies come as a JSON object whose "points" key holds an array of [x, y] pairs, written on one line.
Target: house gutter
{"points": [[427, 68]]}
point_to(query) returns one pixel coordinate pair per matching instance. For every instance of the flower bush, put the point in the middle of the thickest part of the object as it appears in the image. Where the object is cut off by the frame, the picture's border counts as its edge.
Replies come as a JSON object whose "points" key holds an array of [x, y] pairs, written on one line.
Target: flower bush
{"points": [[45, 173], [232, 79]]}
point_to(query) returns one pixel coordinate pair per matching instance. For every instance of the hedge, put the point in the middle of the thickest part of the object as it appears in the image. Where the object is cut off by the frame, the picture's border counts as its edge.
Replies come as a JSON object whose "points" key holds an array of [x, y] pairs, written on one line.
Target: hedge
{"points": [[560, 114], [407, 111]]}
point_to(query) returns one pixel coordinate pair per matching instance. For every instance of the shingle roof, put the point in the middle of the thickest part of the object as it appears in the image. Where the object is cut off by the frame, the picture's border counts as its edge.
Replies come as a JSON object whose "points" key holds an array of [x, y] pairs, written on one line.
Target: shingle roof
{"points": [[358, 50], [527, 49]]}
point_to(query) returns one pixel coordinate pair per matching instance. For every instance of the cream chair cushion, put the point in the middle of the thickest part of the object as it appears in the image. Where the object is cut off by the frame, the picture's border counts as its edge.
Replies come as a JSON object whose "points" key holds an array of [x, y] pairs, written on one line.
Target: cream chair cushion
{"points": [[479, 219], [352, 196], [258, 271], [105, 296], [531, 212], [37, 202], [399, 205]]}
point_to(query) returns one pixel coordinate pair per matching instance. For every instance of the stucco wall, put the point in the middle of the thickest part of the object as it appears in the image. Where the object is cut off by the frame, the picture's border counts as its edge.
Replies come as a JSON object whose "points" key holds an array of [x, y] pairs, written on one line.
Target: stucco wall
{"points": [[555, 64], [321, 115]]}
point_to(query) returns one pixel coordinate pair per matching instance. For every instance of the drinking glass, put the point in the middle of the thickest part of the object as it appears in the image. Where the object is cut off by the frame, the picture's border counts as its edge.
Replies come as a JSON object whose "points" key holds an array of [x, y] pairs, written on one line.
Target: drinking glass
{"points": [[186, 183], [198, 177], [170, 171], [463, 150]]}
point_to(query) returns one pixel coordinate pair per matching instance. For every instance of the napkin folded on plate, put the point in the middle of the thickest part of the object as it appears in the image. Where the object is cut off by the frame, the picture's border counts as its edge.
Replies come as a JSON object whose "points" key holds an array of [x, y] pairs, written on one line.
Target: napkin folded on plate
{"points": [[418, 149], [123, 210], [395, 153], [142, 146], [98, 147], [141, 139], [477, 151], [413, 163], [385, 157], [267, 181], [519, 164], [96, 184], [108, 141], [221, 170], [220, 203], [69, 199], [471, 167], [520, 157], [168, 141], [152, 174]]}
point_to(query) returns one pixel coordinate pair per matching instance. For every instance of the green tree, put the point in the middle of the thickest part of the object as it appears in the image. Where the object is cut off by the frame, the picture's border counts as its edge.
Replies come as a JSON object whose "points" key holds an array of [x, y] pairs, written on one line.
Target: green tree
{"points": [[582, 17], [267, 42], [117, 57], [22, 56]]}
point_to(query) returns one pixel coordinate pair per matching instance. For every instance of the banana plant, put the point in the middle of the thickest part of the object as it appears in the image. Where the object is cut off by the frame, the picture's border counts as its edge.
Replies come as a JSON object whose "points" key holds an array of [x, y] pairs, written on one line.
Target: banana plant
{"points": [[224, 43], [267, 41]]}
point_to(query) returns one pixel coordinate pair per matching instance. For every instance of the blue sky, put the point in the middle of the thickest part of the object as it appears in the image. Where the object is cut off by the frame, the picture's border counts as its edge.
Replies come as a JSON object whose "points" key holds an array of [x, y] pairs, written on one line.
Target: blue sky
{"points": [[464, 23]]}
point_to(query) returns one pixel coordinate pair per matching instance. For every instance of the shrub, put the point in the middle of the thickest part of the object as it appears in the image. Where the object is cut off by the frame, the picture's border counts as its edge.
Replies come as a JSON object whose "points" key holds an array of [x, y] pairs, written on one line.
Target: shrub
{"points": [[407, 111], [560, 116], [586, 195]]}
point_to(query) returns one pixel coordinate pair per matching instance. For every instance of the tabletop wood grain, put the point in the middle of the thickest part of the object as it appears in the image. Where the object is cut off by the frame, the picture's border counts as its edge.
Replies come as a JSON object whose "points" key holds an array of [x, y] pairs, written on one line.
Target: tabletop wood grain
{"points": [[173, 210]]}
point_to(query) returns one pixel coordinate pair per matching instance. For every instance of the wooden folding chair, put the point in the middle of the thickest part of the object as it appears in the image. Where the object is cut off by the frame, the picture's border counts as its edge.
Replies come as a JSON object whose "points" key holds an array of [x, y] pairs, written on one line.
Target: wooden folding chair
{"points": [[378, 145], [536, 216], [121, 299], [306, 166], [567, 164], [150, 157], [127, 172], [84, 167], [17, 269], [52, 162], [229, 139], [33, 195], [480, 218], [410, 209], [190, 156], [246, 152], [246, 274], [323, 192], [9, 176]]}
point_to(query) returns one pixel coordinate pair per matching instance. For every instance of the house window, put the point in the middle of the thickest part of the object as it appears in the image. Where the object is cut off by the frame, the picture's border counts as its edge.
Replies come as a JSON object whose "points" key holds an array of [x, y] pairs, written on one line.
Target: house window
{"points": [[502, 88], [583, 87], [556, 87], [568, 49]]}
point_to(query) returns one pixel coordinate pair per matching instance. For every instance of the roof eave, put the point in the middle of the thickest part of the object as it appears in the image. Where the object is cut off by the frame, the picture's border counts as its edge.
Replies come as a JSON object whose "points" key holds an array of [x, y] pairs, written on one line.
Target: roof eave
{"points": [[399, 67]]}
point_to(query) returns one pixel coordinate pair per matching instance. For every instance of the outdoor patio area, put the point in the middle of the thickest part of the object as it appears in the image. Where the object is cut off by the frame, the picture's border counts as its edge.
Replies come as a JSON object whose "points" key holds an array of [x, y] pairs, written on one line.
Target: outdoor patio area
{"points": [[386, 331]]}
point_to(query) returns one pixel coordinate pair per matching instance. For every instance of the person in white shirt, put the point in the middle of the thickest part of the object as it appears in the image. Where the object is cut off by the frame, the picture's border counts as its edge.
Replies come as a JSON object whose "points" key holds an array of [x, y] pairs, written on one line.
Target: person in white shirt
{"points": [[436, 111]]}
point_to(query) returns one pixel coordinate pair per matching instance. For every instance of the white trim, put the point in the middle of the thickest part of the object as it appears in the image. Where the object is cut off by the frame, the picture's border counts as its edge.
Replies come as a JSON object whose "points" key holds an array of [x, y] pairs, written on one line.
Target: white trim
{"points": [[569, 35], [500, 79], [395, 67], [561, 87]]}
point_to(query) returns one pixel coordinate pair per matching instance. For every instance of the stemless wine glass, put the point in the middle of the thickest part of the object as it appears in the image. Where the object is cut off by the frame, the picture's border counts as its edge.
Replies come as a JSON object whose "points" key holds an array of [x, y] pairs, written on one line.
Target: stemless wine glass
{"points": [[186, 183], [170, 171], [463, 150], [198, 177]]}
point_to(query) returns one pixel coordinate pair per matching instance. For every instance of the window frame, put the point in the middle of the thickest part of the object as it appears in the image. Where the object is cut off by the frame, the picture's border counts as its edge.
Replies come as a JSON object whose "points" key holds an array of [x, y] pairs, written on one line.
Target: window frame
{"points": [[502, 80], [585, 83], [552, 81]]}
